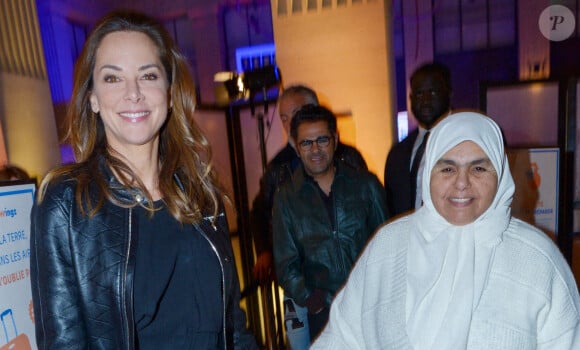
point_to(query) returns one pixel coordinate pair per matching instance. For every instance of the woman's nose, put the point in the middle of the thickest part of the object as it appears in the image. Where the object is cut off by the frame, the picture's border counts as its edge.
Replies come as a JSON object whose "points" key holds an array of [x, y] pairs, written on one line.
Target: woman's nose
{"points": [[462, 181], [133, 92]]}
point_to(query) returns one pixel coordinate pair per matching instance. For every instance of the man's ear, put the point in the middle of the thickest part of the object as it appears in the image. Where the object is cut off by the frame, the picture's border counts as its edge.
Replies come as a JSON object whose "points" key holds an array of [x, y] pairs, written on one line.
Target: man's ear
{"points": [[94, 103], [336, 139]]}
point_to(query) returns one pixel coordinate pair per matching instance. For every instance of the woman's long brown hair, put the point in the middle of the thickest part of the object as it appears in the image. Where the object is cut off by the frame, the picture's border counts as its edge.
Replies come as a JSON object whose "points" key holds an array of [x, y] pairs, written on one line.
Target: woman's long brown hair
{"points": [[183, 149]]}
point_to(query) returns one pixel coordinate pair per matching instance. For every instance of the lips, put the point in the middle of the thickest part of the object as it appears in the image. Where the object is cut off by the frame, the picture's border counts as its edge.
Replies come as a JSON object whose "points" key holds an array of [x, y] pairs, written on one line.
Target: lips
{"points": [[461, 201], [134, 116], [317, 158]]}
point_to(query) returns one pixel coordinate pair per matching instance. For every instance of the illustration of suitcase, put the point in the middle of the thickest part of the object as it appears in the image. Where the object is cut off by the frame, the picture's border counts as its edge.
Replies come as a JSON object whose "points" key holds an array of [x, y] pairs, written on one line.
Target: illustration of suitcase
{"points": [[20, 341]]}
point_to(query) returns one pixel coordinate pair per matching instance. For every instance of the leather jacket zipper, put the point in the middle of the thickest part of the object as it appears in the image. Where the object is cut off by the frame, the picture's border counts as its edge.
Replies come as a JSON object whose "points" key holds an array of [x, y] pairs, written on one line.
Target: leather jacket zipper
{"points": [[124, 282], [213, 247], [336, 239]]}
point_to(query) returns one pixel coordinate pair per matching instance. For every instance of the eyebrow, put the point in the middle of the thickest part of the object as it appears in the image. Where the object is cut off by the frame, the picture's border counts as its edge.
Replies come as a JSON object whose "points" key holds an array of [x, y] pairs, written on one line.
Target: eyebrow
{"points": [[117, 68], [445, 161], [316, 138]]}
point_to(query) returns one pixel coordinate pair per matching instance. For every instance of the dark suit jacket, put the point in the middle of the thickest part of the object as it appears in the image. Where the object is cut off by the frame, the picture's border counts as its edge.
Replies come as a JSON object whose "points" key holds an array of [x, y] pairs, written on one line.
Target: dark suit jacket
{"points": [[398, 176]]}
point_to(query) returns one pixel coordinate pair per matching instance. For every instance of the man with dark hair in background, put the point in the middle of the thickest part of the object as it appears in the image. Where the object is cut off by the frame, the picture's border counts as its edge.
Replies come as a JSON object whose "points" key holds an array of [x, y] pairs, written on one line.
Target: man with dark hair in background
{"points": [[322, 217], [430, 102], [277, 172], [12, 173]]}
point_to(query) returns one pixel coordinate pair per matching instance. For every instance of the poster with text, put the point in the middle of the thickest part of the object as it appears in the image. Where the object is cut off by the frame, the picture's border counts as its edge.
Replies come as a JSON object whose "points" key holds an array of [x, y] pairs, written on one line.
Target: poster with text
{"points": [[16, 313], [535, 173]]}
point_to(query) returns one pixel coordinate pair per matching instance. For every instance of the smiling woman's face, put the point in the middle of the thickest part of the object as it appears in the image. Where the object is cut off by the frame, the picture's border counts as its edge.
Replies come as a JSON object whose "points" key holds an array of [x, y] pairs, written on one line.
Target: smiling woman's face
{"points": [[131, 90], [463, 184]]}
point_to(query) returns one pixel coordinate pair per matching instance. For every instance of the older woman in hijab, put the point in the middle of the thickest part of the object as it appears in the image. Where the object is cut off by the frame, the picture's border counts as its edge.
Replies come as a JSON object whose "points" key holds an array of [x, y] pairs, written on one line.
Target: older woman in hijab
{"points": [[460, 272]]}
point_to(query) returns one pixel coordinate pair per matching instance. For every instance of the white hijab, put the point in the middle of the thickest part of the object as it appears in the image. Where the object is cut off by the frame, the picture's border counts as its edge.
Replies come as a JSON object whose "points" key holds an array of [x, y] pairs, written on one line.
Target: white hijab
{"points": [[447, 265]]}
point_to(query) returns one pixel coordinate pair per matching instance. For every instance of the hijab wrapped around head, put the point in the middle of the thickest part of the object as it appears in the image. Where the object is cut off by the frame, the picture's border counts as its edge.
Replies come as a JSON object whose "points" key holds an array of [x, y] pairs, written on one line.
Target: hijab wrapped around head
{"points": [[482, 130], [447, 264]]}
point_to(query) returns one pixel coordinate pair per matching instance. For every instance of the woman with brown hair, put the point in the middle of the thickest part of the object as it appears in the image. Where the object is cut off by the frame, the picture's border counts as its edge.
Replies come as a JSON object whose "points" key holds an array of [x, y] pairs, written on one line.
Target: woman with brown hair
{"points": [[130, 245]]}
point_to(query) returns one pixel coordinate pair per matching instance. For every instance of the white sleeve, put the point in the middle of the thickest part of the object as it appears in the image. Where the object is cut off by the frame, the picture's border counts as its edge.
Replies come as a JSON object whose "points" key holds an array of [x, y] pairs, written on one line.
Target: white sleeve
{"points": [[559, 322], [344, 328]]}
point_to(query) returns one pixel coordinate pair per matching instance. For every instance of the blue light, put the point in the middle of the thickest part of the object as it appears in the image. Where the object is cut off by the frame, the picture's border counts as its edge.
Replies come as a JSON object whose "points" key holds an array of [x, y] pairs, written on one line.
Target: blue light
{"points": [[252, 57]]}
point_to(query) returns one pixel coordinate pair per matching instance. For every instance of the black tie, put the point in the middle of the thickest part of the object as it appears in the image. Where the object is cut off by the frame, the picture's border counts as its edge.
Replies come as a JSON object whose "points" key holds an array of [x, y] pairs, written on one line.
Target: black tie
{"points": [[415, 168]]}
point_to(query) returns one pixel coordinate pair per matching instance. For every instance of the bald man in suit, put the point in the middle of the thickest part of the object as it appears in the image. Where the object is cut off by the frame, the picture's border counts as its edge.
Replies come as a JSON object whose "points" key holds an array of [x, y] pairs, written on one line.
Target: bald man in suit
{"points": [[430, 102]]}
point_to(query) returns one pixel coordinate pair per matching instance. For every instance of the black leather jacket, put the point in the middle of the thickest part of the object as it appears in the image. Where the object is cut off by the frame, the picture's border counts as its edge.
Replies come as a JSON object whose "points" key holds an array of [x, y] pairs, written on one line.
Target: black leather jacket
{"points": [[82, 273], [312, 252], [278, 171]]}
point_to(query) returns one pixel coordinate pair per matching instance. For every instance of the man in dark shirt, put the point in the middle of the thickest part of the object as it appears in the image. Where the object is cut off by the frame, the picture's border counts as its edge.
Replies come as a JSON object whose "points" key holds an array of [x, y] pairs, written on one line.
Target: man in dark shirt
{"points": [[277, 172], [430, 102], [322, 217]]}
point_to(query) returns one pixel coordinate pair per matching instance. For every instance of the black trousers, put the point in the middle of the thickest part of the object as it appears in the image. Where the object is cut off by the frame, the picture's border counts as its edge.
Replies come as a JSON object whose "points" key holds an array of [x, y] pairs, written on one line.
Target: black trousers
{"points": [[316, 322]]}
